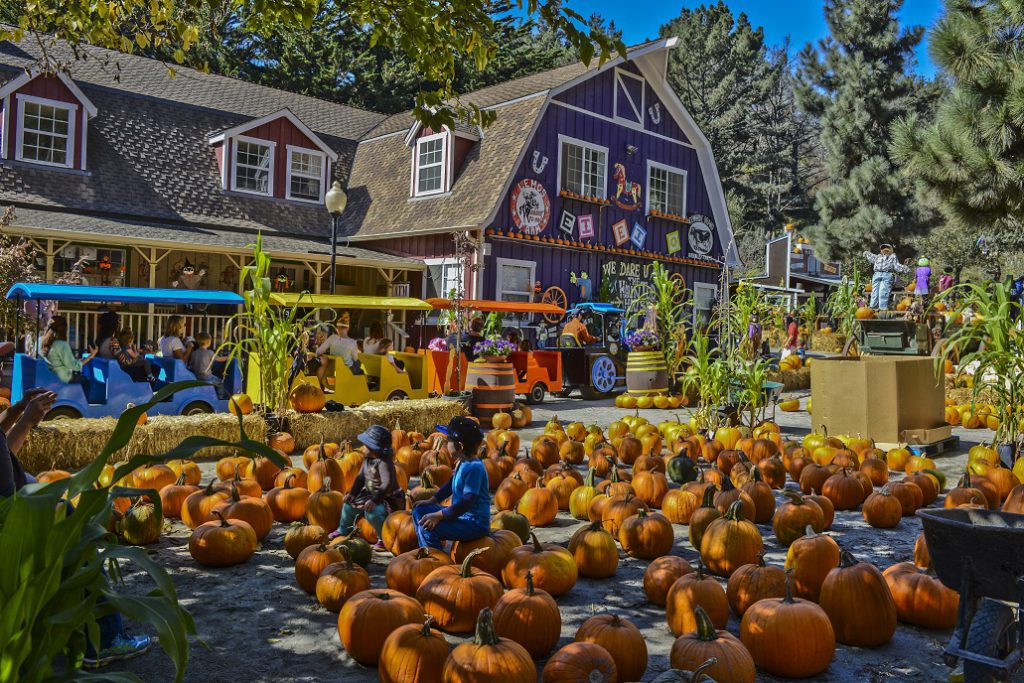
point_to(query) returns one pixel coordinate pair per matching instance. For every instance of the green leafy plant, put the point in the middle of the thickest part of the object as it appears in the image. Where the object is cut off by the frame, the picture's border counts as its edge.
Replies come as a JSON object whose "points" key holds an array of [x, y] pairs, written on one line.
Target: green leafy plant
{"points": [[666, 298], [843, 302], [706, 375], [52, 559]]}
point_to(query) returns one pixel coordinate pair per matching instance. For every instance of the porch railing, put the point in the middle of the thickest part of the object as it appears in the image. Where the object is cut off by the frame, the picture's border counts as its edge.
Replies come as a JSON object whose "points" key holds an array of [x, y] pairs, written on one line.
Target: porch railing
{"points": [[82, 326]]}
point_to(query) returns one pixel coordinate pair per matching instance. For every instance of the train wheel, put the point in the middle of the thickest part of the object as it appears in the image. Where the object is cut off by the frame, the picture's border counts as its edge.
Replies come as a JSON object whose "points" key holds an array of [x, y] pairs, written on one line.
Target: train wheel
{"points": [[536, 394], [602, 374], [197, 408], [63, 413], [397, 395]]}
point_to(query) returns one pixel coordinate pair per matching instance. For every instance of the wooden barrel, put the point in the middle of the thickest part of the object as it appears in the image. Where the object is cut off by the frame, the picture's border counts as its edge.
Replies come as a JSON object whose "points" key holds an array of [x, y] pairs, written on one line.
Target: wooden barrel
{"points": [[493, 384], [646, 373]]}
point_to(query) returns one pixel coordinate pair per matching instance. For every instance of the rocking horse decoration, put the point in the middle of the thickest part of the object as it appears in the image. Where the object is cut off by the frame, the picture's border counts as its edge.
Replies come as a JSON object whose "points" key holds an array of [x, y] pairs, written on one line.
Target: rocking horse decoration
{"points": [[627, 192]]}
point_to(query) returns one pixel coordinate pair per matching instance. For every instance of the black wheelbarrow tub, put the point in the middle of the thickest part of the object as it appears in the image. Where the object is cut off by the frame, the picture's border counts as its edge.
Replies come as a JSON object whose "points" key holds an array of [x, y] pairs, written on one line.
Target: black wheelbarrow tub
{"points": [[988, 544]]}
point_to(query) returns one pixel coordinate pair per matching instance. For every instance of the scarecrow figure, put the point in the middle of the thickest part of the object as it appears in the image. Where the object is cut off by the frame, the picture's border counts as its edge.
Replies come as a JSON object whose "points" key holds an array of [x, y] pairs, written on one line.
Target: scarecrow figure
{"points": [[282, 283], [583, 282], [886, 265]]}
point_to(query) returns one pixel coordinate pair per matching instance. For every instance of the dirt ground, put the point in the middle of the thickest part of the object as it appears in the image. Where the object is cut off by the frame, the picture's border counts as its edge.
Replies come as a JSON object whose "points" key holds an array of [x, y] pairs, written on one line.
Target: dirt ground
{"points": [[254, 619]]}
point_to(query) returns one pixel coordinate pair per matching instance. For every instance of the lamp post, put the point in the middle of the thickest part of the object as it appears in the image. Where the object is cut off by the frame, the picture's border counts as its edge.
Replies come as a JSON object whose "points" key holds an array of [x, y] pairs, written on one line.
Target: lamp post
{"points": [[335, 200]]}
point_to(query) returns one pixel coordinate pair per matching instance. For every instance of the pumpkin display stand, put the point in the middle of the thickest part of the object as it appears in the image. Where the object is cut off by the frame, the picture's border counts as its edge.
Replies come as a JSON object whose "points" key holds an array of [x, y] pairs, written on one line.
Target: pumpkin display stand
{"points": [[646, 373], [493, 383]]}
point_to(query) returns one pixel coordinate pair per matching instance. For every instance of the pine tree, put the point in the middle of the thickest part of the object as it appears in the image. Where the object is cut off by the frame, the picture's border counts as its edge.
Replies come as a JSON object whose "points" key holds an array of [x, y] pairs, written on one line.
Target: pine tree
{"points": [[856, 83], [969, 156]]}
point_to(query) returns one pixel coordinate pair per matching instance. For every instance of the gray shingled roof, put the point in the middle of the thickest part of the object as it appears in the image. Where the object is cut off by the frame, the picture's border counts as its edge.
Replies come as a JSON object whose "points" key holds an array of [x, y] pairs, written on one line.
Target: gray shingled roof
{"points": [[378, 190]]}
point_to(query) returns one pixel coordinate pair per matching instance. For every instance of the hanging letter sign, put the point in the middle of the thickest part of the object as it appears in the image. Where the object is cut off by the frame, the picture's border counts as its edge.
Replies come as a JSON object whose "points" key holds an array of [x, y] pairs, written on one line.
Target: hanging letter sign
{"points": [[620, 232], [586, 226], [673, 242], [567, 222], [639, 236]]}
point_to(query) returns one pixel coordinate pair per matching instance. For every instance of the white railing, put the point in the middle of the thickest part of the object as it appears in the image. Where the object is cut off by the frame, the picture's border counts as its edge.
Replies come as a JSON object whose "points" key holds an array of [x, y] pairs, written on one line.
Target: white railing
{"points": [[82, 325]]}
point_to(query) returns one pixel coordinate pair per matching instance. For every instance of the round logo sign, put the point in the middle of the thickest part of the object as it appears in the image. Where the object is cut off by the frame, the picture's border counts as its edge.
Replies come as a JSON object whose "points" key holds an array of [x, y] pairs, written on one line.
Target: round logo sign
{"points": [[530, 206], [701, 236]]}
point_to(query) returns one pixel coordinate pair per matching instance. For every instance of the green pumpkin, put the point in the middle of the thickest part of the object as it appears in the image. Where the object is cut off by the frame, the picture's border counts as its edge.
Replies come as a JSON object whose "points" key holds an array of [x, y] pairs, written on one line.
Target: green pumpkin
{"points": [[514, 522], [359, 550], [680, 676], [141, 524], [682, 470]]}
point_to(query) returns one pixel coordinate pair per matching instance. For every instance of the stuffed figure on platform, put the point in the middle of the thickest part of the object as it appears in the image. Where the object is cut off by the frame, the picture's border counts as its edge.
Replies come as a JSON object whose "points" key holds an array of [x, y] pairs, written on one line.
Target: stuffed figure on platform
{"points": [[191, 278]]}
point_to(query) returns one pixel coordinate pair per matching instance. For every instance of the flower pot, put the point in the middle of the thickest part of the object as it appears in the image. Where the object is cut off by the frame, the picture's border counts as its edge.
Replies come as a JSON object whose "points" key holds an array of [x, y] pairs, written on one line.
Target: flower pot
{"points": [[495, 359]]}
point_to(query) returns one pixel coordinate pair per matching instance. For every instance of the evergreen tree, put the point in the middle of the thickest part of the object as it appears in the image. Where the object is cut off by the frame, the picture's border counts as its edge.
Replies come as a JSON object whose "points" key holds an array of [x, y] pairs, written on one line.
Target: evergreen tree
{"points": [[969, 156], [856, 83]]}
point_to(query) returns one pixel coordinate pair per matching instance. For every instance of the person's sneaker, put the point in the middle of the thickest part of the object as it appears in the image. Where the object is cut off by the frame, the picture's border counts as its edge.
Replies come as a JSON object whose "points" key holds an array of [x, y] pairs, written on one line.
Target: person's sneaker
{"points": [[379, 545], [123, 647]]}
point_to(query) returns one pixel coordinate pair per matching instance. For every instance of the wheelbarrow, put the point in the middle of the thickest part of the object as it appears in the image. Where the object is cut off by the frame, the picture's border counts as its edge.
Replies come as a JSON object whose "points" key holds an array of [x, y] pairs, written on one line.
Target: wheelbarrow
{"points": [[981, 554]]}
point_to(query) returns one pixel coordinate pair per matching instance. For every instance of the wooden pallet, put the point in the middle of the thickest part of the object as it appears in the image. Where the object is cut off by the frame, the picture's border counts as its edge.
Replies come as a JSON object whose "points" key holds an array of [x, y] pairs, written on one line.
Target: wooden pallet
{"points": [[948, 444]]}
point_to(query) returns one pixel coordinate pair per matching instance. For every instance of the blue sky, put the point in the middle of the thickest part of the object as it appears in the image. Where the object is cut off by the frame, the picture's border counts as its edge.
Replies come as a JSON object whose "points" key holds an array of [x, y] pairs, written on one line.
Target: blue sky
{"points": [[801, 20]]}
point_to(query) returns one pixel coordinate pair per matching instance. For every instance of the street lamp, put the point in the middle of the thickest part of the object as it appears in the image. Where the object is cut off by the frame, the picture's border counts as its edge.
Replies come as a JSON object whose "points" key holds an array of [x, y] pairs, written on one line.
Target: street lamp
{"points": [[335, 200]]}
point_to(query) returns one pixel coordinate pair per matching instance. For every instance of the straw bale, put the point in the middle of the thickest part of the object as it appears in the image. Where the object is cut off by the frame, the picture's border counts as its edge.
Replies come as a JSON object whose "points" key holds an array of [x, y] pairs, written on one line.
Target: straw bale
{"points": [[71, 444], [413, 415], [793, 380], [828, 342]]}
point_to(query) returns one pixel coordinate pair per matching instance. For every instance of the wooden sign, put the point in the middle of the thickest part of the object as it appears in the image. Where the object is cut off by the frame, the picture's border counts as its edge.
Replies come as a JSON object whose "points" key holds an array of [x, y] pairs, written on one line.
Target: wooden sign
{"points": [[620, 232]]}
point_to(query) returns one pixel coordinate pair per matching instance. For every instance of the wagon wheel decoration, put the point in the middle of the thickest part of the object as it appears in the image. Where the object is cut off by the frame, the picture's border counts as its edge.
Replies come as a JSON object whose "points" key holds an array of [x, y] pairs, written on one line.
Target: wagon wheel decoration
{"points": [[680, 296], [556, 297]]}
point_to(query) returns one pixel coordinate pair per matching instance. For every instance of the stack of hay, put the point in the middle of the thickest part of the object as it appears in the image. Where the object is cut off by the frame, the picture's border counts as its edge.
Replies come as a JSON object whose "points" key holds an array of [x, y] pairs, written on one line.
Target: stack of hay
{"points": [[828, 342], [793, 380], [412, 415]]}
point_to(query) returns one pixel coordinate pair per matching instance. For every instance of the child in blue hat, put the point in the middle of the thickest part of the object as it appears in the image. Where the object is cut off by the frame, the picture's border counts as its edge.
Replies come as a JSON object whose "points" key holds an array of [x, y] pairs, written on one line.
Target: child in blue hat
{"points": [[375, 492]]}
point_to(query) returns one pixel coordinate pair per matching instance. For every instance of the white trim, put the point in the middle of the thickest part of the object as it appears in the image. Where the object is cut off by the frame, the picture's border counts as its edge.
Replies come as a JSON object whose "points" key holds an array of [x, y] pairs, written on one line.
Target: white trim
{"points": [[5, 133], [641, 114], [16, 84], [444, 137], [225, 161], [236, 131], [234, 164], [444, 262], [289, 149], [515, 100], [621, 122], [704, 286], [72, 110], [85, 131], [562, 139], [383, 137], [670, 169], [500, 262]]}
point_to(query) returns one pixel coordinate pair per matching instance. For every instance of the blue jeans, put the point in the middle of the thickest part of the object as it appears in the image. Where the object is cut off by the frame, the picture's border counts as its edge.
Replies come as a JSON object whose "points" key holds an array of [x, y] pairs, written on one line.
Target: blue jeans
{"points": [[881, 288], [446, 530], [350, 512]]}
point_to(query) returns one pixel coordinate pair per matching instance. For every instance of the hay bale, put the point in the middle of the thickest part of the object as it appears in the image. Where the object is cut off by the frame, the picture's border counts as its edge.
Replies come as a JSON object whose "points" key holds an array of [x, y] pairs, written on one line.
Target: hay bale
{"points": [[72, 444], [828, 342], [414, 415], [793, 380]]}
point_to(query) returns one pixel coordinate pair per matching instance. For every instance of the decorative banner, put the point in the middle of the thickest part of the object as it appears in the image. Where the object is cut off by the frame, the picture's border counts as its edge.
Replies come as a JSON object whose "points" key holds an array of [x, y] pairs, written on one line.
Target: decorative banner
{"points": [[673, 242], [701, 237], [627, 192], [639, 235], [620, 232], [620, 280], [530, 206], [567, 222], [586, 226]]}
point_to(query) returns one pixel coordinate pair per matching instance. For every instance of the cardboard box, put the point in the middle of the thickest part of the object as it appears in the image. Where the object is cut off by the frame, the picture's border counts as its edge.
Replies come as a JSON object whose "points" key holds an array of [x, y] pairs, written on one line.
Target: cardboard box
{"points": [[922, 437], [880, 397]]}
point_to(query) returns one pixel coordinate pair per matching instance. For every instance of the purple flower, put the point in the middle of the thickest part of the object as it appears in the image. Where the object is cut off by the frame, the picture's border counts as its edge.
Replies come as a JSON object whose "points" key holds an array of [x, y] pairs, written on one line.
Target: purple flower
{"points": [[641, 338], [494, 347]]}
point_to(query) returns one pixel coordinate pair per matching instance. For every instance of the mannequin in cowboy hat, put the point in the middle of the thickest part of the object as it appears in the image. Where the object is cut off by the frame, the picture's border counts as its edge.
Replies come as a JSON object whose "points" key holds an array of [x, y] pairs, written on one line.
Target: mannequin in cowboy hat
{"points": [[886, 265], [338, 346]]}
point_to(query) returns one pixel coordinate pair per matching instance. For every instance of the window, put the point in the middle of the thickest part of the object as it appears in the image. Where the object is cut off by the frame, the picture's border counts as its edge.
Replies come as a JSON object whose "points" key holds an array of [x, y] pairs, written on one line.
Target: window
{"points": [[430, 171], [254, 166], [582, 168], [704, 296], [666, 189], [442, 278], [514, 280], [103, 266], [46, 133], [305, 174]]}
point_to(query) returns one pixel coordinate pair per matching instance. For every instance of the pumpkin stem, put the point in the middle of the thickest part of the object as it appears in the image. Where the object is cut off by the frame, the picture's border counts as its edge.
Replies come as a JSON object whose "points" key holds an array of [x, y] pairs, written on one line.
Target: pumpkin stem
{"points": [[209, 488], [223, 522], [234, 493], [735, 511], [700, 569], [428, 623], [794, 496], [709, 497], [809, 531], [485, 634], [467, 564], [589, 479], [181, 479], [698, 673], [788, 598], [755, 474], [614, 476], [529, 583], [846, 559], [345, 552], [288, 481], [426, 481], [705, 629], [326, 486], [760, 558], [422, 552], [321, 454], [536, 543]]}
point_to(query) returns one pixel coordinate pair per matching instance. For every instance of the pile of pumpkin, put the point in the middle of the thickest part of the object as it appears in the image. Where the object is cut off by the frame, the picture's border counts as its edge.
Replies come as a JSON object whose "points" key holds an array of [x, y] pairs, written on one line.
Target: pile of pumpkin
{"points": [[659, 401]]}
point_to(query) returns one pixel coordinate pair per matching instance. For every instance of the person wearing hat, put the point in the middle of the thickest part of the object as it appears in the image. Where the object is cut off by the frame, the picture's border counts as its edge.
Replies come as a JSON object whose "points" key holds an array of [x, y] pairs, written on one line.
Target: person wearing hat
{"points": [[338, 346], [469, 516], [886, 265], [923, 277], [375, 493]]}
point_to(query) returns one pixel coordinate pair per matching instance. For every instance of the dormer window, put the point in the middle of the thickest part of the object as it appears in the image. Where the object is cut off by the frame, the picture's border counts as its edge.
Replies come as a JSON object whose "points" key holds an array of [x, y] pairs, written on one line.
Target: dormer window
{"points": [[45, 133], [305, 174], [253, 166], [431, 164]]}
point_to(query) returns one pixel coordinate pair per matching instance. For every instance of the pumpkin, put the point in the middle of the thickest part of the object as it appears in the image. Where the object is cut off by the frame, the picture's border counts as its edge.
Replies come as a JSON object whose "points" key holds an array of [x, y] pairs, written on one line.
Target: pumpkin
{"points": [[621, 639], [681, 469], [240, 404], [732, 662], [188, 468], [678, 505], [845, 491], [594, 551], [661, 574], [1015, 500], [499, 544], [876, 469], [172, 498], [455, 594], [255, 511], [488, 658], [813, 477], [761, 494], [539, 505], [581, 497], [753, 582], [199, 505], [339, 581], [357, 545], [406, 572], [300, 536], [828, 511], [908, 494], [882, 510], [921, 599], [510, 520], [772, 630], [413, 654], [793, 517], [297, 475], [307, 398], [552, 566], [387, 610], [702, 517], [398, 532], [222, 542], [646, 536], [264, 471], [522, 416], [965, 493], [530, 617], [809, 560], [690, 591], [312, 560], [730, 542], [141, 524], [288, 502], [545, 450], [325, 469], [580, 662], [650, 487], [151, 477], [246, 486], [323, 507], [929, 489], [617, 509], [282, 441], [858, 602]]}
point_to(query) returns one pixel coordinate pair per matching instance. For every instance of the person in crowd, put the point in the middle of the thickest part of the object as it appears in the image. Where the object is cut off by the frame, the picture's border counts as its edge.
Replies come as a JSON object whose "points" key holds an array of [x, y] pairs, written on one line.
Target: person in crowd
{"points": [[946, 279], [386, 347], [200, 362], [371, 344], [58, 354], [132, 360], [172, 344], [341, 346], [148, 347], [473, 337], [106, 334], [922, 278], [886, 265], [375, 493], [792, 334], [1016, 292], [754, 334], [469, 515], [576, 329]]}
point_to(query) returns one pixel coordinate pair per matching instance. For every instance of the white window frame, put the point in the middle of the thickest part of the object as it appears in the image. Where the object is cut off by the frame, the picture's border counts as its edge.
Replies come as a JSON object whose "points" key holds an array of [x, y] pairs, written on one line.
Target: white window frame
{"points": [[699, 286], [562, 141], [639, 123], [72, 110], [499, 294], [445, 263], [671, 169], [291, 149], [445, 156], [233, 149]]}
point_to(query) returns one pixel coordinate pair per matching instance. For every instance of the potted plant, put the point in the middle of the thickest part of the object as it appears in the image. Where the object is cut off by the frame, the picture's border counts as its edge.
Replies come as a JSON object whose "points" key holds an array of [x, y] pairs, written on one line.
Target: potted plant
{"points": [[643, 340], [494, 349]]}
